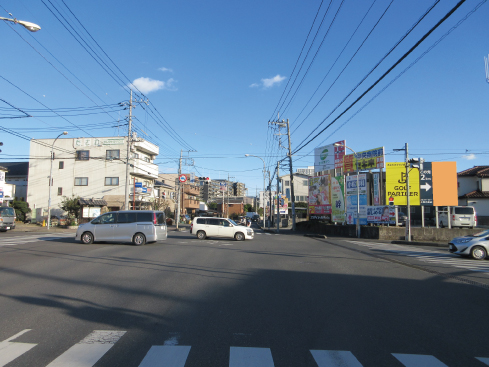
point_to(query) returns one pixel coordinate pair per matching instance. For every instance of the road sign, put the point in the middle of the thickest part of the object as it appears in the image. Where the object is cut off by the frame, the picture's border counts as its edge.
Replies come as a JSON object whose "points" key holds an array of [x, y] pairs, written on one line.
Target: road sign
{"points": [[182, 178], [222, 186], [1, 194], [139, 184], [426, 185]]}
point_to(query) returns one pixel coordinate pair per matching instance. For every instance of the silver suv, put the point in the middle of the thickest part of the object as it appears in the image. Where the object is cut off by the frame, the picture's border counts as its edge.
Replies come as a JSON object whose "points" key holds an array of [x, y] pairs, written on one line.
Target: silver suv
{"points": [[136, 226], [204, 227]]}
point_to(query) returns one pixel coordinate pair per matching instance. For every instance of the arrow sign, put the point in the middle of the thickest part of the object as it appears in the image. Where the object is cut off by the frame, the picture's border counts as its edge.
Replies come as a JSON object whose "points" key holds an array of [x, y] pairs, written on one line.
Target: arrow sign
{"points": [[426, 187], [425, 184]]}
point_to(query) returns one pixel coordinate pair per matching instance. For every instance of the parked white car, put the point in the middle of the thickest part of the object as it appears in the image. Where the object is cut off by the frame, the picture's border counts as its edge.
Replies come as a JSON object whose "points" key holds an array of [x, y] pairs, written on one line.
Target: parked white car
{"points": [[460, 216], [204, 227]]}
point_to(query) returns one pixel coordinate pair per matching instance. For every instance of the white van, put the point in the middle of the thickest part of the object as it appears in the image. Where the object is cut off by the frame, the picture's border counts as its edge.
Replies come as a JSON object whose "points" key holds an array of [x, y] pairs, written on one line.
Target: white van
{"points": [[204, 227], [136, 226], [460, 216], [7, 218]]}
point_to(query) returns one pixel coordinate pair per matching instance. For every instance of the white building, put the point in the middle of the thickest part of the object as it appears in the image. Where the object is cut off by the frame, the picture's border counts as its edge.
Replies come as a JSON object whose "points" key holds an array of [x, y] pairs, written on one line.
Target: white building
{"points": [[473, 190], [91, 168], [301, 187]]}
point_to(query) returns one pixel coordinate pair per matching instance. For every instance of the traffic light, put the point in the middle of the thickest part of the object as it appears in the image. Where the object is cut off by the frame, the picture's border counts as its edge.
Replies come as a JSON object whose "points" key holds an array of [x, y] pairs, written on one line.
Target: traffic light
{"points": [[207, 179], [0, 146], [417, 163]]}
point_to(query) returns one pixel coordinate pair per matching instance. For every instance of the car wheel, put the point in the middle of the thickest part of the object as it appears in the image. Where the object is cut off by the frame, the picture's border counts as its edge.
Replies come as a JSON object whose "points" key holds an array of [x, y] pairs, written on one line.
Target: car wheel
{"points": [[239, 236], [87, 238], [441, 225], [478, 253], [139, 239], [201, 235]]}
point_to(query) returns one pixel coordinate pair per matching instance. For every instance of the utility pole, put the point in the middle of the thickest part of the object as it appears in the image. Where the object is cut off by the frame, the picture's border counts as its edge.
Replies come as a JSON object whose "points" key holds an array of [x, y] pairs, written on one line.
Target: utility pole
{"points": [[408, 220], [177, 216], [270, 202], [278, 198], [289, 154]]}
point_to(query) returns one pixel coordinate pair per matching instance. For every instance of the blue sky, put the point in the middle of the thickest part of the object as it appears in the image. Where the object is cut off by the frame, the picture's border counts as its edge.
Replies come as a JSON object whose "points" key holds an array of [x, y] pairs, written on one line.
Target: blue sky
{"points": [[215, 72]]}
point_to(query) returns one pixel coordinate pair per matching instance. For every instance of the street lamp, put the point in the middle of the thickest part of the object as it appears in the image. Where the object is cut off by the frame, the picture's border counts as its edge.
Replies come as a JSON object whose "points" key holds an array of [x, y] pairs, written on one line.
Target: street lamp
{"points": [[358, 188], [264, 189], [51, 177], [28, 25]]}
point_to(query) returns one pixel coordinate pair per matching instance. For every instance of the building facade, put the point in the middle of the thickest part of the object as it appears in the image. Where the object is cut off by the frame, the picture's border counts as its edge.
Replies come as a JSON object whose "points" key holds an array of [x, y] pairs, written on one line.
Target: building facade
{"points": [[301, 187], [473, 190], [91, 168]]}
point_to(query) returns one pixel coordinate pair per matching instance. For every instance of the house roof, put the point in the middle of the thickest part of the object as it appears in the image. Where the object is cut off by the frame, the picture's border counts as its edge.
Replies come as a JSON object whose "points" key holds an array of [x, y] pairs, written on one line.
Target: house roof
{"points": [[479, 171], [16, 168], [95, 202], [476, 194]]}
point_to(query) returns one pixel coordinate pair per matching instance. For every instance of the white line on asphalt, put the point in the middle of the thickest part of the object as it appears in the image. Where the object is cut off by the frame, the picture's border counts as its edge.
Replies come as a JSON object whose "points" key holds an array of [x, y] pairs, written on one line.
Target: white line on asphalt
{"points": [[250, 357], [88, 351], [418, 360], [166, 356], [483, 360], [335, 358], [11, 350]]}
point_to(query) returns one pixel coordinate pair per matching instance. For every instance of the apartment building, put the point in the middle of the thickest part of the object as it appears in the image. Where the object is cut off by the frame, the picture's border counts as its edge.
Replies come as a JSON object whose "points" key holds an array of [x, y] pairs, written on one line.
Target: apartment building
{"points": [[91, 168]]}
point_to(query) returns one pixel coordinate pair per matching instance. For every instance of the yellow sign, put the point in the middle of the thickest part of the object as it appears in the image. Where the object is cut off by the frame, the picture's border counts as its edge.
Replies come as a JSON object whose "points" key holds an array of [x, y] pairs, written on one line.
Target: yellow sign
{"points": [[395, 184]]}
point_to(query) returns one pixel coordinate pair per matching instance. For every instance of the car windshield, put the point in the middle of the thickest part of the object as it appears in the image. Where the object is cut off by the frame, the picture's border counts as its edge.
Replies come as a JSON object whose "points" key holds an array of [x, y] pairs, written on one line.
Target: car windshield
{"points": [[233, 222], [480, 234]]}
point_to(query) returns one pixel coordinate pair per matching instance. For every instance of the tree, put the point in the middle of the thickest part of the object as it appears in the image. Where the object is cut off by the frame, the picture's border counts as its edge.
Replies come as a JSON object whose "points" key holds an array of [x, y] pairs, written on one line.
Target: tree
{"points": [[21, 209], [71, 205], [300, 204], [212, 206], [248, 208]]}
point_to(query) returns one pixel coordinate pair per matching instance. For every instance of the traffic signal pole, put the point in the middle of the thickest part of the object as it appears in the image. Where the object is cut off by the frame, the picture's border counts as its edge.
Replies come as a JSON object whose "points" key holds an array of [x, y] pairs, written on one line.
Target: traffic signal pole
{"points": [[177, 216]]}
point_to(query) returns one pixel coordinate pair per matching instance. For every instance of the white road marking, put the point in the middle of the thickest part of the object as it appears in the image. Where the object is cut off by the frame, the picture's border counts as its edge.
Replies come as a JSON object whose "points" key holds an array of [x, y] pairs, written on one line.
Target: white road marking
{"points": [[166, 356], [418, 360], [89, 350], [250, 357], [483, 360], [11, 350], [335, 358]]}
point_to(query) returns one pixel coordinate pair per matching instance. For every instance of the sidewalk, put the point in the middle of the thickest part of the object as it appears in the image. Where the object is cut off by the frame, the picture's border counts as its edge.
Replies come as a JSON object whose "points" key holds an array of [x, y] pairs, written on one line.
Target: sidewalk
{"points": [[25, 227]]}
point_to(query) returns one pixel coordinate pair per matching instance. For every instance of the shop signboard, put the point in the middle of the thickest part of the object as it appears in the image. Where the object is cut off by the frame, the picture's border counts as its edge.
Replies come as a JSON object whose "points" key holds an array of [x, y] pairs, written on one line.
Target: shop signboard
{"points": [[379, 214], [396, 184], [366, 160], [338, 199], [426, 185], [376, 188], [329, 156], [351, 184], [351, 209], [319, 195]]}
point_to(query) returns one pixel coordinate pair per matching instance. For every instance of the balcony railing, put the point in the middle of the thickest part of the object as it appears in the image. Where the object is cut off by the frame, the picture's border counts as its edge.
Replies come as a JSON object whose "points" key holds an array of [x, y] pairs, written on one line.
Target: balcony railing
{"points": [[192, 204], [145, 169]]}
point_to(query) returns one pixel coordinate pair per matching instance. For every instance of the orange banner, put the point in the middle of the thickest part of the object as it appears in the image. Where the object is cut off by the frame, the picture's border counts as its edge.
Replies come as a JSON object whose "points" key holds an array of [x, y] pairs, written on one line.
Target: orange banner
{"points": [[445, 191]]}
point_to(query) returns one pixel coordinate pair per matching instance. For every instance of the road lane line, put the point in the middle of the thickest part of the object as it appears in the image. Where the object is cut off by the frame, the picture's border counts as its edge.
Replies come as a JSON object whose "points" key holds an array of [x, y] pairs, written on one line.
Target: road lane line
{"points": [[250, 357], [335, 358], [11, 350], [418, 360], [89, 350], [166, 356]]}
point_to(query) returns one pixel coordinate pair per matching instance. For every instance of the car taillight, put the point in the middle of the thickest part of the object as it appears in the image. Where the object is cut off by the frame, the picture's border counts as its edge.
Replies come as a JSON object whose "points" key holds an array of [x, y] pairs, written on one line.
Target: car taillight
{"points": [[155, 220], [475, 218], [191, 226], [453, 217]]}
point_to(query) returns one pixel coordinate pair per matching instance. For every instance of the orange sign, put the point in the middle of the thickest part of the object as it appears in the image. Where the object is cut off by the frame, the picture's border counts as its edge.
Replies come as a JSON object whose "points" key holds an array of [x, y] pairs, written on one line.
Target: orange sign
{"points": [[445, 191]]}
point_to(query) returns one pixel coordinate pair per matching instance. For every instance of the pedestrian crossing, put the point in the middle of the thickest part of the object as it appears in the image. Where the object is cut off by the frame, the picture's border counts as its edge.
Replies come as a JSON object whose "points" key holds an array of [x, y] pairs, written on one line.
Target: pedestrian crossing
{"points": [[429, 256], [98, 343], [19, 240]]}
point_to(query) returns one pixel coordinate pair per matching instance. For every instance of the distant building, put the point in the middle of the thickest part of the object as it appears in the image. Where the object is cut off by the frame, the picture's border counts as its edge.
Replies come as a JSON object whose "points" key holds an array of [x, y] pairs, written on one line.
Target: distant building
{"points": [[473, 190], [309, 171], [17, 175]]}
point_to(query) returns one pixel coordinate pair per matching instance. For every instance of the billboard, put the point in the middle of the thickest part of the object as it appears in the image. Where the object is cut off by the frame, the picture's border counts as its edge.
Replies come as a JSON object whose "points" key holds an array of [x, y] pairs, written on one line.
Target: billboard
{"points": [[351, 209], [445, 191], [319, 195], [329, 157], [368, 159], [338, 199], [395, 184]]}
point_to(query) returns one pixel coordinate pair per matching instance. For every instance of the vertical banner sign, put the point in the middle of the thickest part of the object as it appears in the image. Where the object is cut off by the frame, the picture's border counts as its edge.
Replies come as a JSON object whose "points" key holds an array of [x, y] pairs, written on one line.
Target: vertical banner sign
{"points": [[444, 183], [376, 189], [2, 183], [329, 157], [338, 199], [351, 198], [368, 159], [319, 197], [426, 185], [395, 184]]}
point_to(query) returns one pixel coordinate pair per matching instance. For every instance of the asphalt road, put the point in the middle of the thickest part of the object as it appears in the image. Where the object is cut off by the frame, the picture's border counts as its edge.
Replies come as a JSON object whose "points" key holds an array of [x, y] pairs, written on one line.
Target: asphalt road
{"points": [[278, 300]]}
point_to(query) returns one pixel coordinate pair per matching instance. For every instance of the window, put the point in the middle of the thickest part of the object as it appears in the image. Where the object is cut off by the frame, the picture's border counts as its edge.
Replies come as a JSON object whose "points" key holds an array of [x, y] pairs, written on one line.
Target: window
{"points": [[113, 154], [145, 217], [213, 222], [111, 181], [61, 165], [126, 218], [82, 155], [81, 181], [161, 218], [286, 183], [60, 191], [146, 159], [135, 155], [304, 183]]}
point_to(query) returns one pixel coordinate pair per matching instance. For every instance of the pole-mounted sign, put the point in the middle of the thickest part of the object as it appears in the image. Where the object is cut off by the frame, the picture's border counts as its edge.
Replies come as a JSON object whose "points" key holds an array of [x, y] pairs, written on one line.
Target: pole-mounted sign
{"points": [[182, 178]]}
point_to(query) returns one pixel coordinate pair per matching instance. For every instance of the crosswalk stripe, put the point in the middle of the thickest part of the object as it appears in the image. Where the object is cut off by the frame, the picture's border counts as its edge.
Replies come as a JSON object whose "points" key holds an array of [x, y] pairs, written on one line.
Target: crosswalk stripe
{"points": [[418, 360], [250, 357], [335, 358], [89, 350], [12, 350], [483, 360], [166, 356]]}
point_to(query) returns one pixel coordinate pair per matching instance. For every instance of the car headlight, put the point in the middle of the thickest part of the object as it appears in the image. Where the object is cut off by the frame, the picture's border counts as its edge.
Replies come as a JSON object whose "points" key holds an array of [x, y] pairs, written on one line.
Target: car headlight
{"points": [[464, 240], [250, 232]]}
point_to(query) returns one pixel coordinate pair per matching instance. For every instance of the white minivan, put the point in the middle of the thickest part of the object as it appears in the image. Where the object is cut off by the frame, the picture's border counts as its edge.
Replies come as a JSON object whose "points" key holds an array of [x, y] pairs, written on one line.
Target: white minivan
{"points": [[204, 227], [460, 216]]}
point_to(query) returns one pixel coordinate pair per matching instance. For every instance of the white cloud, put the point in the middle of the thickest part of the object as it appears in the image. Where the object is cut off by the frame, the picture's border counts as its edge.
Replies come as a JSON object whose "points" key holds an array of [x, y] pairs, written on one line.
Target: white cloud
{"points": [[469, 157], [166, 69], [148, 85], [268, 83]]}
